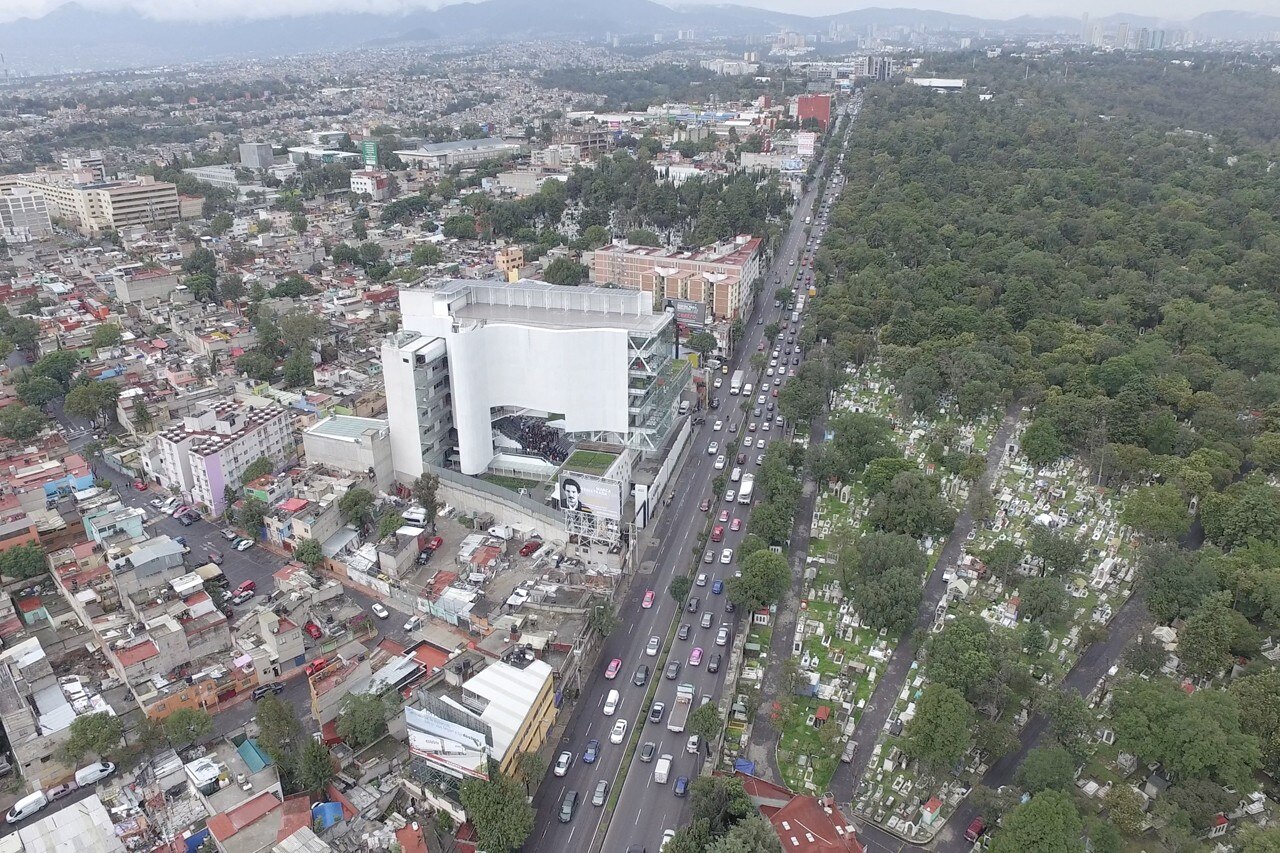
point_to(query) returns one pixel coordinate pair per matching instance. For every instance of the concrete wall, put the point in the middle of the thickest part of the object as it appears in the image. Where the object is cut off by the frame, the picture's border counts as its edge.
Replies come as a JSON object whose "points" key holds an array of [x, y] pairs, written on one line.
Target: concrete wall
{"points": [[472, 496]]}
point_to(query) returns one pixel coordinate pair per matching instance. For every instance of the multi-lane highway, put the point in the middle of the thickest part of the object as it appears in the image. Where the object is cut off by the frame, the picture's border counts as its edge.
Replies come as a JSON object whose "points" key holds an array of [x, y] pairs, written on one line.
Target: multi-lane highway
{"points": [[645, 808]]}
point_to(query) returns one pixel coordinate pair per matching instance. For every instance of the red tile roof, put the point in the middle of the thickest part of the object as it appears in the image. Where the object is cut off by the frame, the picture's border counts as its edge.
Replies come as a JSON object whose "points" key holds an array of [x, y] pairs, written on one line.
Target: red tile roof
{"points": [[223, 826], [137, 654], [296, 816]]}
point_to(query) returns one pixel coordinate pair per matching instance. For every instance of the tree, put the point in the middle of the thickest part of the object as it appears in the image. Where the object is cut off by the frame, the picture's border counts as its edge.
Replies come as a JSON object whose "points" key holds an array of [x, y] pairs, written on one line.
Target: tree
{"points": [[701, 343], [260, 467], [460, 227], [532, 768], [752, 834], [356, 505], [938, 736], [1158, 511], [308, 553], [186, 726], [602, 618], [705, 722], [221, 224], [253, 512], [1124, 807], [912, 504], [1259, 699], [1204, 643], [564, 271], [1070, 721], [60, 366], [1041, 444], [389, 523], [966, 655], [425, 255], [1041, 599], [884, 579], [23, 561], [92, 400], [300, 329], [279, 733], [315, 767], [297, 371], [21, 423], [39, 391], [1257, 839], [497, 808], [106, 335], [766, 577], [232, 288], [256, 365], [362, 719], [93, 734], [1059, 552], [1176, 582], [1003, 559], [721, 801], [1046, 768], [881, 472], [425, 491], [1047, 823], [680, 587]]}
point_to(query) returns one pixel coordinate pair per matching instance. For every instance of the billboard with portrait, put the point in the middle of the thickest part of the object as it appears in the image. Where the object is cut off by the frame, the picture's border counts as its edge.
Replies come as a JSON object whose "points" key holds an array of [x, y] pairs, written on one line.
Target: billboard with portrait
{"points": [[588, 494]]}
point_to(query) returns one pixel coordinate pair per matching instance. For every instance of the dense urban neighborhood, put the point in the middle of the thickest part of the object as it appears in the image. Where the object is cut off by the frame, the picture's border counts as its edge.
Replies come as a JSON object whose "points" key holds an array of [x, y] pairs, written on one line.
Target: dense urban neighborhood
{"points": [[818, 436]]}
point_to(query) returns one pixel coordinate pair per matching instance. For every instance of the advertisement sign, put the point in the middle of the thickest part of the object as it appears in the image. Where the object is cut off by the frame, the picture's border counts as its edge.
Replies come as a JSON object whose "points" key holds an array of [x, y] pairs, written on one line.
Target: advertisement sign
{"points": [[587, 494], [369, 152], [688, 312]]}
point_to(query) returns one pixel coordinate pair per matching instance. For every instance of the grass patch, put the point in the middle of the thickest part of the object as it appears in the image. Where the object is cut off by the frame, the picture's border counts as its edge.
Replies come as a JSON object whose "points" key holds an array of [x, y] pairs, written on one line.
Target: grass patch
{"points": [[590, 461], [515, 484]]}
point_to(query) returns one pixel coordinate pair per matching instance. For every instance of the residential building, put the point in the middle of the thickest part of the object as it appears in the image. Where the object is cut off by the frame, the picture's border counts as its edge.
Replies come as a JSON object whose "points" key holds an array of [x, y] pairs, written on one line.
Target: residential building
{"points": [[509, 260], [814, 107], [205, 455], [464, 152], [804, 824], [374, 183], [355, 445], [24, 215], [257, 155], [87, 828], [719, 276], [138, 283], [91, 162]]}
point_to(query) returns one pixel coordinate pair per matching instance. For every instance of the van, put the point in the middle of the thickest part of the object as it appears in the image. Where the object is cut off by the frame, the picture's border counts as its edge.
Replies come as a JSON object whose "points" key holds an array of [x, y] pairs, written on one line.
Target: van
{"points": [[611, 703], [975, 830], [94, 773], [746, 390], [684, 407], [26, 807], [662, 769]]}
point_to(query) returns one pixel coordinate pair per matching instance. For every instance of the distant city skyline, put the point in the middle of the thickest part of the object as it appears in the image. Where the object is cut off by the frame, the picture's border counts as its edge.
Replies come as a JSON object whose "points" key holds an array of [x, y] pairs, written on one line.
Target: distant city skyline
{"points": [[1172, 10]]}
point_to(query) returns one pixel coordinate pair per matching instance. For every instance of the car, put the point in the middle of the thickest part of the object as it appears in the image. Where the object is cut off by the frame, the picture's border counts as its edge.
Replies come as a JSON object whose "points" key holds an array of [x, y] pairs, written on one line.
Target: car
{"points": [[724, 516], [720, 460], [765, 426], [759, 321], [760, 459], [242, 598], [760, 443], [849, 749], [246, 586], [592, 752], [57, 792], [655, 644], [693, 744], [701, 579], [692, 605], [190, 515], [717, 587], [742, 458], [313, 630], [733, 428], [185, 520], [229, 535], [656, 712], [726, 556], [717, 426], [722, 636], [761, 400], [156, 503], [244, 544], [563, 763], [611, 671], [757, 412], [673, 671], [380, 611], [529, 547], [601, 793], [977, 827], [412, 624], [713, 448], [648, 751], [263, 689], [619, 732], [769, 372], [682, 786], [709, 557], [641, 678], [730, 607], [316, 665], [707, 619], [139, 485], [713, 663], [735, 525], [695, 656], [751, 427], [683, 632], [729, 495], [705, 506], [92, 773], [567, 806], [667, 835], [648, 599], [779, 421], [775, 392], [719, 381], [795, 360]]}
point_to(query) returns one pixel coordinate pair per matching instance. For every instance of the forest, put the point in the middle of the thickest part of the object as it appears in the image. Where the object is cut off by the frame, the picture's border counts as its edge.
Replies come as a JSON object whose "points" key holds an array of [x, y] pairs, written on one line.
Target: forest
{"points": [[1098, 242]]}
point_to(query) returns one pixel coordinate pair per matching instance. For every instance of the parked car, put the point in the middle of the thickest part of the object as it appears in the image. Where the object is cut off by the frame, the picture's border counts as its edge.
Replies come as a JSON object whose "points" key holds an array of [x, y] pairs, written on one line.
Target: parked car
{"points": [[156, 503], [682, 786], [412, 624], [529, 547], [241, 598], [316, 665], [244, 544], [722, 636], [380, 611], [247, 586], [139, 485], [263, 689], [977, 827], [313, 630], [229, 535], [434, 543], [95, 772], [57, 792], [713, 663]]}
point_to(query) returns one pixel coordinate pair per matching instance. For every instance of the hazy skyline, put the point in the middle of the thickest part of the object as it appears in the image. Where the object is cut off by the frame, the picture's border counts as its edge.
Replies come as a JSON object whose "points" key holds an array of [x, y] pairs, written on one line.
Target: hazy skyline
{"points": [[1000, 9]]}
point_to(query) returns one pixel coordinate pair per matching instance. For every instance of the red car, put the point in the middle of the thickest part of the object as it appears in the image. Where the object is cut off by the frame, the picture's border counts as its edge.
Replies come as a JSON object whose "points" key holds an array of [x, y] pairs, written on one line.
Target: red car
{"points": [[648, 599], [705, 506], [611, 672], [735, 525], [247, 586], [315, 666], [529, 547], [139, 485], [434, 542], [717, 533], [313, 630], [975, 830]]}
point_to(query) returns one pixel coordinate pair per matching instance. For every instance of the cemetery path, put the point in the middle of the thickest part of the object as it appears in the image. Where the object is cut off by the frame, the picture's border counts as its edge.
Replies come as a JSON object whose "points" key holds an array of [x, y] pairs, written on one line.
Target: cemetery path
{"points": [[876, 713]]}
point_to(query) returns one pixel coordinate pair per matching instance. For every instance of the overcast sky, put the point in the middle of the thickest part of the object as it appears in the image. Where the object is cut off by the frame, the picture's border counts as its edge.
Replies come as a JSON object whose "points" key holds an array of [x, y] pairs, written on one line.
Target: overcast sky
{"points": [[210, 9]]}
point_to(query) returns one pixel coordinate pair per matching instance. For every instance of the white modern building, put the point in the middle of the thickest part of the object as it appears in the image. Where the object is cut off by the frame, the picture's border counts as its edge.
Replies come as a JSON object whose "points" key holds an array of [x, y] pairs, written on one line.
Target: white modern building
{"points": [[464, 152], [207, 453], [355, 445], [601, 359]]}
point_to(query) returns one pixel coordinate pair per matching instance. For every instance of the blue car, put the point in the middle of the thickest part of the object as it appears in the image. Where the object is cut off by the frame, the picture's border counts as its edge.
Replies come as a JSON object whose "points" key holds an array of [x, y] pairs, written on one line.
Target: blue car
{"points": [[593, 750], [717, 587]]}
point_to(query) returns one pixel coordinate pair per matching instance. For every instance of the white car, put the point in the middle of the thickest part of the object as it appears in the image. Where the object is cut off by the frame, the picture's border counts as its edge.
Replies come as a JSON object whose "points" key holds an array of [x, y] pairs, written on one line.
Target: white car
{"points": [[769, 372], [619, 732], [726, 556], [693, 744], [563, 763], [761, 400], [760, 459], [669, 834], [380, 611], [701, 579], [712, 448], [765, 426], [717, 426], [156, 503], [720, 463], [729, 496], [655, 643], [244, 544], [719, 381], [760, 444]]}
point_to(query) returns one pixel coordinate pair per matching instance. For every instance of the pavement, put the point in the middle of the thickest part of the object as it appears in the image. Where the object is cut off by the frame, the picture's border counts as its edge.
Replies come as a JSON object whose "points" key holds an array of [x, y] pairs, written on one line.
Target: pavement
{"points": [[644, 807]]}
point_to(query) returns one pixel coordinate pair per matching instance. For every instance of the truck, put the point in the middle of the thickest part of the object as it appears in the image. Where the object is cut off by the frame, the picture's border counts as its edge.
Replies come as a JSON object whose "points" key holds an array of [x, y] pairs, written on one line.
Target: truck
{"points": [[680, 712], [735, 382], [745, 488]]}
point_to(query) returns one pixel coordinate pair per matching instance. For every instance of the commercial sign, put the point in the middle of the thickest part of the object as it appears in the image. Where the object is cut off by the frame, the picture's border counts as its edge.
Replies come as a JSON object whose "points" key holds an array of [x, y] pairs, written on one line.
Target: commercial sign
{"points": [[369, 152], [688, 312], [588, 494]]}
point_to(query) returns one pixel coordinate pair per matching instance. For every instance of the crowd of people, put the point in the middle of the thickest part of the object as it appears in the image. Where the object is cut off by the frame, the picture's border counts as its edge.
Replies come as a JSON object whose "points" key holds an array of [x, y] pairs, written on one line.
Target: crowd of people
{"points": [[539, 439]]}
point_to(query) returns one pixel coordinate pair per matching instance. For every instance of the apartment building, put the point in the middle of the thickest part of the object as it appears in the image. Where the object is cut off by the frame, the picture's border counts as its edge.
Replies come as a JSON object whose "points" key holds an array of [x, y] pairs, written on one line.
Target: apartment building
{"points": [[105, 206], [136, 283], [24, 215], [374, 183], [355, 445], [719, 276], [206, 454]]}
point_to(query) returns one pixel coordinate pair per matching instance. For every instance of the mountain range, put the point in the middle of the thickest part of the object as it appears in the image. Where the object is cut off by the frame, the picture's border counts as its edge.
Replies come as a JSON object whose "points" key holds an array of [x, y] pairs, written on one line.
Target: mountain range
{"points": [[73, 38]]}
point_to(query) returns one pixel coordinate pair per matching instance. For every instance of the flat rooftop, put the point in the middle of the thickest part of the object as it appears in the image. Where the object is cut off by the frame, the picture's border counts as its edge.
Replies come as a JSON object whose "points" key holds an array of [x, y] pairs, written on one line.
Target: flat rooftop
{"points": [[552, 306], [347, 427]]}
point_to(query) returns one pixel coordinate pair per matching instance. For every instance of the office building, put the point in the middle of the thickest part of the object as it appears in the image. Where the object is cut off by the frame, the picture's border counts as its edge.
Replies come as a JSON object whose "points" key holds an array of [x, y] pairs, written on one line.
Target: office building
{"points": [[816, 107], [601, 359], [91, 162], [97, 207], [257, 155], [718, 277], [205, 455], [24, 214], [464, 152]]}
